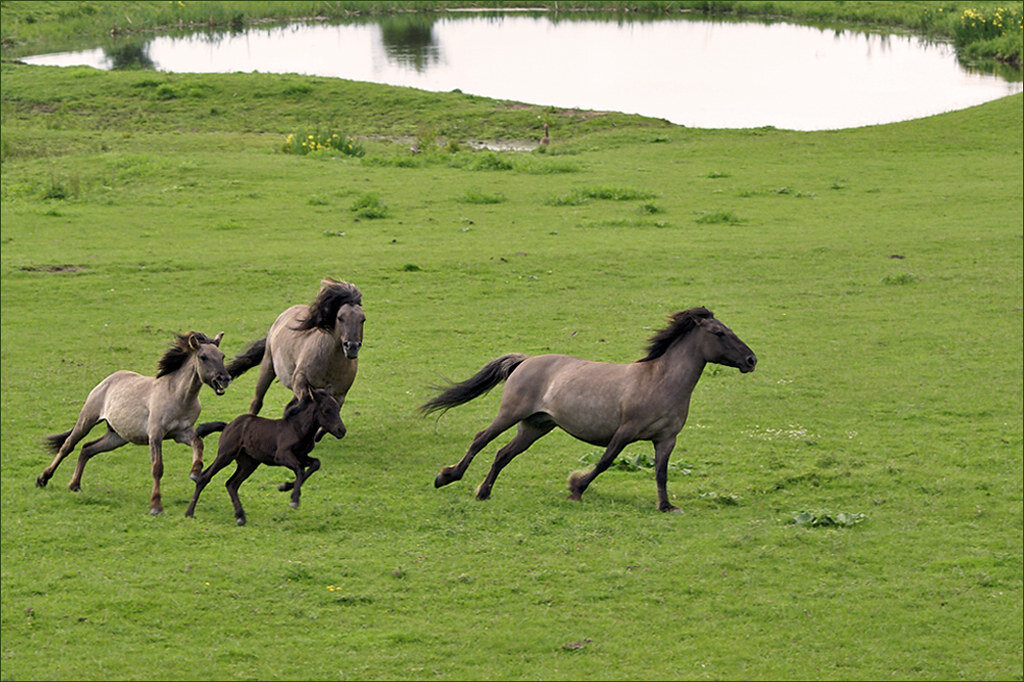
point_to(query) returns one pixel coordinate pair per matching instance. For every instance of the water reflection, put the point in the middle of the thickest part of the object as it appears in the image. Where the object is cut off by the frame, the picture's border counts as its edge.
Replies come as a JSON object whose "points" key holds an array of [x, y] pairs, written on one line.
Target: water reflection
{"points": [[702, 73], [409, 40], [132, 55]]}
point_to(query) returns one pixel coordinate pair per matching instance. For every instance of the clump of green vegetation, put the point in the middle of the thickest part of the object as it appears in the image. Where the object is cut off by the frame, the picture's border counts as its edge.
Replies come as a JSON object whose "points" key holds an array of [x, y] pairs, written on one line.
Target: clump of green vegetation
{"points": [[369, 206], [900, 279], [582, 195], [717, 217], [992, 32], [304, 143], [475, 196]]}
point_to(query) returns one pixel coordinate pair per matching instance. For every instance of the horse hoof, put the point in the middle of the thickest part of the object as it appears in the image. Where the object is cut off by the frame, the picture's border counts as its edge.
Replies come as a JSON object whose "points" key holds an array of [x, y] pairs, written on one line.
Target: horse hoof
{"points": [[75, 488], [294, 505], [575, 496], [41, 482], [194, 476], [240, 520], [671, 509], [156, 511]]}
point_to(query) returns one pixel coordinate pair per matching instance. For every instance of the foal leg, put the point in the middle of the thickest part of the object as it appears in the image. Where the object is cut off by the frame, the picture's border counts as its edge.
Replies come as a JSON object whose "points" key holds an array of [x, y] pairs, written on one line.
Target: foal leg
{"points": [[662, 449], [109, 441], [314, 465], [224, 457], [579, 480], [454, 472], [288, 459], [246, 465], [529, 431]]}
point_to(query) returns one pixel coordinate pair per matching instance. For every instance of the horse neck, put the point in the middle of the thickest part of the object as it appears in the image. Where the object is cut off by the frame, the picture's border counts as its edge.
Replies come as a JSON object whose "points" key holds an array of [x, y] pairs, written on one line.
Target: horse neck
{"points": [[184, 381], [681, 366], [305, 423]]}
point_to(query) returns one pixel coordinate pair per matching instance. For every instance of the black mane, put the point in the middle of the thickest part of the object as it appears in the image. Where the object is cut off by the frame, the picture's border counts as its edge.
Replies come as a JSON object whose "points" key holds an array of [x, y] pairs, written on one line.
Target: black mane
{"points": [[332, 295], [179, 352], [680, 324]]}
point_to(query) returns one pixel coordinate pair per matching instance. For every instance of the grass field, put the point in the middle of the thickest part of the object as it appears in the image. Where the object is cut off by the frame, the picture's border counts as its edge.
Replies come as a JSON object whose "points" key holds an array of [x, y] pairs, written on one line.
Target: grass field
{"points": [[852, 509]]}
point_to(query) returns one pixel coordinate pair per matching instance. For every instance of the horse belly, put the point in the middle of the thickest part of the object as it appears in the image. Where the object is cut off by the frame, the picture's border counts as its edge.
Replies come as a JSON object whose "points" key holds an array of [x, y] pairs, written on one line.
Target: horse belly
{"points": [[126, 405], [584, 405]]}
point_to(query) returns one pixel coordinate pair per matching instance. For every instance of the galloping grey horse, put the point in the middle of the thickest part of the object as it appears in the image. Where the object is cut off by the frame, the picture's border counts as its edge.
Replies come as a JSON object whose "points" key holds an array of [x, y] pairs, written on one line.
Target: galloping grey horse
{"points": [[146, 410], [307, 347], [601, 403]]}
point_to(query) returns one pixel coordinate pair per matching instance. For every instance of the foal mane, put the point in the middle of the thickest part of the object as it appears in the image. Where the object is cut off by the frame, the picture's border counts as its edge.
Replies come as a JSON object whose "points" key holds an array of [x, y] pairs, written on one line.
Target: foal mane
{"points": [[179, 352], [332, 295], [680, 324]]}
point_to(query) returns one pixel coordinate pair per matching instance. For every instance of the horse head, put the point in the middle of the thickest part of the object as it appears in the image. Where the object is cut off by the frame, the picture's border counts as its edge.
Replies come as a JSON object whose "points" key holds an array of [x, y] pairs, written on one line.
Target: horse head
{"points": [[348, 329], [720, 345], [210, 361], [328, 412]]}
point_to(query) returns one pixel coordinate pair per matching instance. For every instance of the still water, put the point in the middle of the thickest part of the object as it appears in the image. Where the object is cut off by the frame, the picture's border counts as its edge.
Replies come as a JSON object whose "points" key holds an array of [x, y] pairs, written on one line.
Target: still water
{"points": [[699, 73]]}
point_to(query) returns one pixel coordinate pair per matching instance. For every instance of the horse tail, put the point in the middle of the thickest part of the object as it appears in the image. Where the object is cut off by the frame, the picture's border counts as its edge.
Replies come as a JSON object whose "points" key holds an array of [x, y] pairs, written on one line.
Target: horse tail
{"points": [[248, 359], [206, 428], [492, 374], [53, 443]]}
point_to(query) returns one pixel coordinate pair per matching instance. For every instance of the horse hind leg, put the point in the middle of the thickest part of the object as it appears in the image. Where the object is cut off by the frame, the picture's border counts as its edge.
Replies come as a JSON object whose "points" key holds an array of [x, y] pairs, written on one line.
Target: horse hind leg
{"points": [[454, 472], [86, 421], [109, 441], [529, 432], [246, 465], [580, 480], [314, 465]]}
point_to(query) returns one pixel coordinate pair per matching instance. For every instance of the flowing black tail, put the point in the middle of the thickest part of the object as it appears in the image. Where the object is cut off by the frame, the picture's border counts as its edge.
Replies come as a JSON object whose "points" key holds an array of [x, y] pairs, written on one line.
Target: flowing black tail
{"points": [[206, 428], [248, 359], [53, 443], [492, 374]]}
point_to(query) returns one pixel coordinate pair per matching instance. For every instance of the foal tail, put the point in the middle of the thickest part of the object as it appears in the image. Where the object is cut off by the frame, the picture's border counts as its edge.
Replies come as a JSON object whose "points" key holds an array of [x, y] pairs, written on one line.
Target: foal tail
{"points": [[206, 428], [492, 374], [248, 359]]}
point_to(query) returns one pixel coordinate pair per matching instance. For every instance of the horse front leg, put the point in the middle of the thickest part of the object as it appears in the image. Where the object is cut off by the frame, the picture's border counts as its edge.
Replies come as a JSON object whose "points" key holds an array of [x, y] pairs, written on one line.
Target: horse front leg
{"points": [[157, 460], [288, 459], [314, 465], [192, 439], [662, 449], [579, 480], [266, 378]]}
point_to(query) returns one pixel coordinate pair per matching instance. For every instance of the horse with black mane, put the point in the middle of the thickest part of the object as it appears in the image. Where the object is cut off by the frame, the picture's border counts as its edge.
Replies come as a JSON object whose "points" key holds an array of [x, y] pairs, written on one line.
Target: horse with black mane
{"points": [[602, 403], [314, 346], [146, 410]]}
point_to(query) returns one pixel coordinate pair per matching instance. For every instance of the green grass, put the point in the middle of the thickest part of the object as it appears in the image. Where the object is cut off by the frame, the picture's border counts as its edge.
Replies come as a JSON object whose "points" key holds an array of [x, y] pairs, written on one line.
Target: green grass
{"points": [[853, 509]]}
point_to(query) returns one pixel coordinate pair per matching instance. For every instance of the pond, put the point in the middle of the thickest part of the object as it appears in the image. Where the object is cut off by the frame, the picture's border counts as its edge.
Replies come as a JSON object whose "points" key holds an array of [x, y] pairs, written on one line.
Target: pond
{"points": [[694, 72]]}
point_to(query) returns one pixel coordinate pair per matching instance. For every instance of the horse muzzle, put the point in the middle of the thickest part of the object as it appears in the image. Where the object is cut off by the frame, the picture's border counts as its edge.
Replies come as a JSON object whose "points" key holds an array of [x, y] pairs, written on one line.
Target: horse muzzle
{"points": [[220, 384], [747, 364], [351, 349]]}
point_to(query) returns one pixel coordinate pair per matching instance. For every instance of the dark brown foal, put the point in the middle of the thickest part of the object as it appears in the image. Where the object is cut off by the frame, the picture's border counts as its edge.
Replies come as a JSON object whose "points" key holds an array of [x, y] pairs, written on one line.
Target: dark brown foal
{"points": [[250, 440]]}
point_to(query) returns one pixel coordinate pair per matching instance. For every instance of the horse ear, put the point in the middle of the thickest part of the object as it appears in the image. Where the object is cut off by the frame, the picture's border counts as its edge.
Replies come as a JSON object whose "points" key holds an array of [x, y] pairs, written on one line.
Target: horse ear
{"points": [[216, 339], [193, 342]]}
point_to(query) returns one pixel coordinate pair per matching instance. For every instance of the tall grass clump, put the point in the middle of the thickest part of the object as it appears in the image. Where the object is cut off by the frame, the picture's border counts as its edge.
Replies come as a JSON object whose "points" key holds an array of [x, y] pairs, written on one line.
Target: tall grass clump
{"points": [[304, 143], [994, 32], [582, 195]]}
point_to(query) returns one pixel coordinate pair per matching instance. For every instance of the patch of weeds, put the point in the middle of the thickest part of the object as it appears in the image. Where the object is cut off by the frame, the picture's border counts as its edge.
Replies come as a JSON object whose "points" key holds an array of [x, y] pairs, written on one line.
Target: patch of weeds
{"points": [[474, 196], [714, 175], [369, 206], [333, 233], [166, 91], [826, 519], [396, 161], [650, 209], [640, 461], [318, 200], [783, 190], [581, 195], [717, 217], [727, 500], [411, 267], [837, 184], [900, 279], [303, 143], [489, 161], [534, 166]]}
